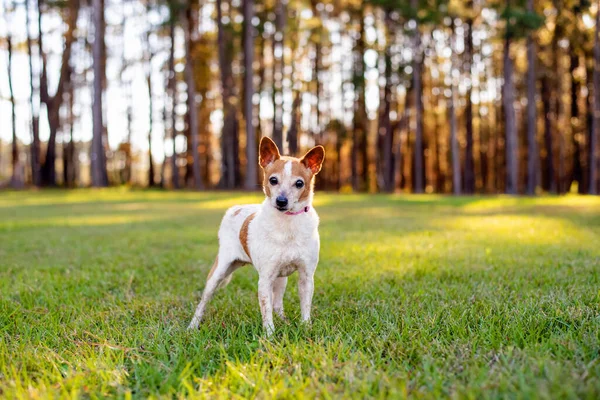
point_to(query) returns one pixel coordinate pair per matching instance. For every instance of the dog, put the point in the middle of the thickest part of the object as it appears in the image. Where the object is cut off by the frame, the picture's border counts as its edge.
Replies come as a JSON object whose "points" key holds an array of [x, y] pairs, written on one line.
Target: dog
{"points": [[278, 237]]}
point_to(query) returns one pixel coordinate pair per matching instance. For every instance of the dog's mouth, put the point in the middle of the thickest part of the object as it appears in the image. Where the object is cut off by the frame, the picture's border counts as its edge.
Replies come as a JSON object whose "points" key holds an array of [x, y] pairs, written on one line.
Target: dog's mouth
{"points": [[282, 209]]}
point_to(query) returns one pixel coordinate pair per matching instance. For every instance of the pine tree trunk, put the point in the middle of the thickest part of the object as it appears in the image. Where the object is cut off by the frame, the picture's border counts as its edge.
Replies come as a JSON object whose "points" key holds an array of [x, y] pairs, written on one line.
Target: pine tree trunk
{"points": [[454, 148], [173, 93], [418, 100], [385, 128], [469, 162], [229, 140], [16, 180], [577, 171], [149, 57], [512, 171], [317, 133], [53, 103], [360, 114], [532, 152], [191, 97], [69, 147], [278, 72], [596, 116], [97, 156], [34, 148], [548, 165], [292, 136], [251, 145]]}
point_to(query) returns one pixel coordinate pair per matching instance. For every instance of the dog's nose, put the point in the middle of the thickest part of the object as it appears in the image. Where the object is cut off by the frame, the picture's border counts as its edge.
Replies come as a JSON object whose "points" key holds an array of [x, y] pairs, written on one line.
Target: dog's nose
{"points": [[281, 201]]}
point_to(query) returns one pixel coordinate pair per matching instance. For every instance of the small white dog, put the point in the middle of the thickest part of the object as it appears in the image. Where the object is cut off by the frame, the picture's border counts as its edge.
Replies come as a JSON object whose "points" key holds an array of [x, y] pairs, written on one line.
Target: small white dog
{"points": [[278, 236]]}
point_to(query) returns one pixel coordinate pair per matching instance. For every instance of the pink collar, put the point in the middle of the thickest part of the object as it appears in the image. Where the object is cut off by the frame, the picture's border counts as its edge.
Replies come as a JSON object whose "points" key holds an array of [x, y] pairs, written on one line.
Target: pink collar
{"points": [[304, 210]]}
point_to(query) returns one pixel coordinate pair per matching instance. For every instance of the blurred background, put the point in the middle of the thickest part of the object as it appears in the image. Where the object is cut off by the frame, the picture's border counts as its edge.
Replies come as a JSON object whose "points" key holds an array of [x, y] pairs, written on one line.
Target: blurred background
{"points": [[434, 96]]}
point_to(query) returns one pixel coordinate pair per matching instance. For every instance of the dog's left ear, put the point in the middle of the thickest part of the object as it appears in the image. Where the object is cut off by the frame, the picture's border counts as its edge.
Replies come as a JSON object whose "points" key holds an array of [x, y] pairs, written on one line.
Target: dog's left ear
{"points": [[314, 159]]}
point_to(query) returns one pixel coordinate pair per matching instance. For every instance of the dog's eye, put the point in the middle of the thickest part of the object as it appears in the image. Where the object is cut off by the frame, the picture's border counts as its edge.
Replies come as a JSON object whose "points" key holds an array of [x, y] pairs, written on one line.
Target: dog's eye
{"points": [[299, 184], [273, 181]]}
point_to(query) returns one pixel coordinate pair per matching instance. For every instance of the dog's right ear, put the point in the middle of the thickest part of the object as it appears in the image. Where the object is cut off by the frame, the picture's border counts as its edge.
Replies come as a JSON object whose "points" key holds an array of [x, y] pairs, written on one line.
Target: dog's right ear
{"points": [[269, 152]]}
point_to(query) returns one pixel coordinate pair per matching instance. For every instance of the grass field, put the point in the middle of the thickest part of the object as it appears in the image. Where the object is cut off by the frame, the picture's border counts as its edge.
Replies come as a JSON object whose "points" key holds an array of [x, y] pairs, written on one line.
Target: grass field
{"points": [[424, 296]]}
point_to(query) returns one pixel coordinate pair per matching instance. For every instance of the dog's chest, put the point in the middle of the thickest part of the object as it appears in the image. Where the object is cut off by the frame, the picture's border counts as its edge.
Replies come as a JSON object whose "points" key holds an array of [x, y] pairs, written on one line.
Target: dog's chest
{"points": [[288, 246]]}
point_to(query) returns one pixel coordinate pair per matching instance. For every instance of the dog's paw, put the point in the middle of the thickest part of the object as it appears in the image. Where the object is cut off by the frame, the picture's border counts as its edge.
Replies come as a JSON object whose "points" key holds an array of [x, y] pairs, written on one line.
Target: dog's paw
{"points": [[194, 325]]}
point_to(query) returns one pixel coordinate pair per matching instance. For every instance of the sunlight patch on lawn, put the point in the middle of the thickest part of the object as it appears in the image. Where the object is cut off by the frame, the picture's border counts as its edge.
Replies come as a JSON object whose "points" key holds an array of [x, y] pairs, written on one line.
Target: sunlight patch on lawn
{"points": [[505, 203], [73, 221]]}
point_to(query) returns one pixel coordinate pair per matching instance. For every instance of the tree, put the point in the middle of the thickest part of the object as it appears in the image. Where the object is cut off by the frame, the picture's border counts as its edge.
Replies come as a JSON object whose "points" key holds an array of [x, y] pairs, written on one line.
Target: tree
{"points": [[149, 55], [596, 116], [229, 135], [508, 96], [531, 112], [468, 58], [172, 83], [418, 101], [251, 145], [278, 71], [97, 156], [54, 102], [360, 123], [454, 148], [519, 23], [16, 180], [191, 92], [385, 129], [36, 178]]}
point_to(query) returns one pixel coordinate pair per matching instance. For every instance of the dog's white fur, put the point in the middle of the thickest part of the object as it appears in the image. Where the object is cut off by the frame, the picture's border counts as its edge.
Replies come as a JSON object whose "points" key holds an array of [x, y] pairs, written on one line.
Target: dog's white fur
{"points": [[278, 243]]}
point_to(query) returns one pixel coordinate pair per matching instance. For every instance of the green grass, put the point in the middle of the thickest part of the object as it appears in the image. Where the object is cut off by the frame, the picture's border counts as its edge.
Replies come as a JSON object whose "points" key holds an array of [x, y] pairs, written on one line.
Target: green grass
{"points": [[415, 295]]}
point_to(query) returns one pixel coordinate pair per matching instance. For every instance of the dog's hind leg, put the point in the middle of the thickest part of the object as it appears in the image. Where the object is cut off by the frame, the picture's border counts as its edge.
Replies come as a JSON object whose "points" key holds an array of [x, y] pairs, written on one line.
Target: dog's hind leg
{"points": [[219, 275], [278, 292]]}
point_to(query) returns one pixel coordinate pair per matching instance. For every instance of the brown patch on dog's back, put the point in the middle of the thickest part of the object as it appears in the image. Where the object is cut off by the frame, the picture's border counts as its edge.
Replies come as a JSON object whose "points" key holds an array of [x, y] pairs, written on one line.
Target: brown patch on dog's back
{"points": [[237, 212], [244, 233]]}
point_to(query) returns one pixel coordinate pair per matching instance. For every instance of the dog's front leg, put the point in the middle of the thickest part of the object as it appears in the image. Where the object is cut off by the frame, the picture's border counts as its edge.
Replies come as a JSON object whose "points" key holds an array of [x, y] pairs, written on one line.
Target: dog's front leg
{"points": [[265, 300], [306, 287]]}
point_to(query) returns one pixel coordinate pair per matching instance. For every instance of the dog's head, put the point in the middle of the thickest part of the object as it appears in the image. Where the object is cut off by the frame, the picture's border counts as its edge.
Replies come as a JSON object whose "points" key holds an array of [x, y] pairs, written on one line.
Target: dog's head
{"points": [[288, 181]]}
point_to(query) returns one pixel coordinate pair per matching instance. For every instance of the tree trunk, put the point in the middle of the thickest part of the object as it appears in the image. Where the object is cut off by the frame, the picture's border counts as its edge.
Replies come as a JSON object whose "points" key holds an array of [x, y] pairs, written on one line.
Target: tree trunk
{"points": [[69, 147], [360, 113], [557, 103], [596, 116], [16, 180], [229, 152], [577, 171], [53, 103], [532, 152], [385, 128], [317, 133], [512, 162], [149, 57], [418, 100], [191, 94], [173, 93], [151, 180], [549, 179], [469, 162], [292, 136], [98, 163], [251, 145], [34, 148], [454, 148], [278, 72]]}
